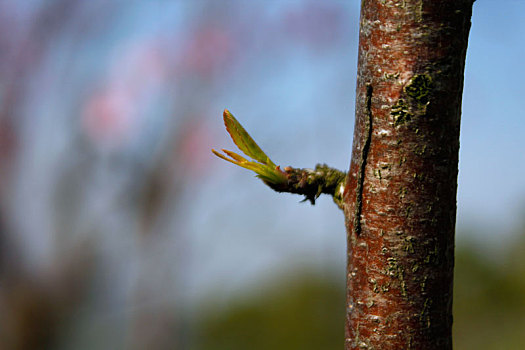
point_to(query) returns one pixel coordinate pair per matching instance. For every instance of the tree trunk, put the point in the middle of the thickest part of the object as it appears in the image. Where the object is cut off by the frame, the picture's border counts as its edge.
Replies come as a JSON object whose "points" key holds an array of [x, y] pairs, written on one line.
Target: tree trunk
{"points": [[400, 194]]}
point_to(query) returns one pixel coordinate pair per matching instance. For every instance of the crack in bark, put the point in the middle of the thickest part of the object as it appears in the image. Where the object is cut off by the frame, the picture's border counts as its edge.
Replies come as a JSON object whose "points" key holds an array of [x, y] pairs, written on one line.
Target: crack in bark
{"points": [[362, 165]]}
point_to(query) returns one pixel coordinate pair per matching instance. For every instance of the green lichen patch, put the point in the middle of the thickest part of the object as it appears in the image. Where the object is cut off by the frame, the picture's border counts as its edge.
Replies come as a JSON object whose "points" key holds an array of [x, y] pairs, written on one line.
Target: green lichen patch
{"points": [[391, 76], [423, 284], [409, 244], [400, 112], [419, 88], [432, 256], [424, 316], [420, 150], [415, 100], [397, 271]]}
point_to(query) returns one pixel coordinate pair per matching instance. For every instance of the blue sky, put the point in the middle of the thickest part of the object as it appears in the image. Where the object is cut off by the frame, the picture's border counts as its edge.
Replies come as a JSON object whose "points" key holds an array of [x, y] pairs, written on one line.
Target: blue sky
{"points": [[491, 187]]}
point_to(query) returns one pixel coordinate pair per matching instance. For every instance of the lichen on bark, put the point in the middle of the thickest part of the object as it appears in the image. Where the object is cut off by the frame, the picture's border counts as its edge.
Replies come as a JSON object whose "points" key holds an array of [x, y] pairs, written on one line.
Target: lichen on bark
{"points": [[400, 215]]}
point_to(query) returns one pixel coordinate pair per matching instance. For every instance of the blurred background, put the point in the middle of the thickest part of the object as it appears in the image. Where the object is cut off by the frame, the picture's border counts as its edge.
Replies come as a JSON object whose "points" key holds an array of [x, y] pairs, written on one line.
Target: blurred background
{"points": [[120, 230]]}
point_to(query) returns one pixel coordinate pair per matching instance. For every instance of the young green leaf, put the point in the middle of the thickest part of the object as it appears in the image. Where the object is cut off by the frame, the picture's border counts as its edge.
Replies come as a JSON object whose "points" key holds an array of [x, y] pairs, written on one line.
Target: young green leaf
{"points": [[261, 163], [243, 140]]}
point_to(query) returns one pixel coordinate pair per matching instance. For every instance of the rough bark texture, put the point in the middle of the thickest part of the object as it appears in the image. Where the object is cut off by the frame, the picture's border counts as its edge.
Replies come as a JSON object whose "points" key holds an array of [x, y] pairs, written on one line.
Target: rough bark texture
{"points": [[400, 194]]}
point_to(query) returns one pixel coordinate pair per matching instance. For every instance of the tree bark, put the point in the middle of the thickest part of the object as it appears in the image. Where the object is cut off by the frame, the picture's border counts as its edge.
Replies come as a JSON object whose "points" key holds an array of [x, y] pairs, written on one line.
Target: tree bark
{"points": [[400, 194]]}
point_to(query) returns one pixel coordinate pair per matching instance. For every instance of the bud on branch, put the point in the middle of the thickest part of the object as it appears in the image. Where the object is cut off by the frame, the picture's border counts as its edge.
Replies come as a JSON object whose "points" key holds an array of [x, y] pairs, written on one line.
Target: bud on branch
{"points": [[308, 182]]}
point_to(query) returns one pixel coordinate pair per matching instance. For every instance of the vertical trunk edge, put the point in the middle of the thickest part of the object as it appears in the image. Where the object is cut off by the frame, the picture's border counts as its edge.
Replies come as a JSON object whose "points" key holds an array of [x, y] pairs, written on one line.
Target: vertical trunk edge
{"points": [[400, 195]]}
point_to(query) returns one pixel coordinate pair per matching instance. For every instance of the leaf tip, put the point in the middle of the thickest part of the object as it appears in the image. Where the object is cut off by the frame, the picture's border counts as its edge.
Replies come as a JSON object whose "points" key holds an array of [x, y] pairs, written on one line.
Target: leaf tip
{"points": [[217, 153], [226, 113]]}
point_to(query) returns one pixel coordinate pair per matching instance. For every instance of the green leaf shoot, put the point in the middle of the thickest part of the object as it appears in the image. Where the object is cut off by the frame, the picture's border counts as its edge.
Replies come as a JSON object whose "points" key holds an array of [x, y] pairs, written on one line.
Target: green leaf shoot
{"points": [[243, 140], [261, 164]]}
